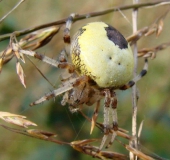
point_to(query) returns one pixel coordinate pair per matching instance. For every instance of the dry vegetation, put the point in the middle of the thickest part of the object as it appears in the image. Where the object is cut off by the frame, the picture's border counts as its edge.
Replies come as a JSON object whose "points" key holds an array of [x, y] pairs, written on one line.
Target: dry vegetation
{"points": [[151, 39]]}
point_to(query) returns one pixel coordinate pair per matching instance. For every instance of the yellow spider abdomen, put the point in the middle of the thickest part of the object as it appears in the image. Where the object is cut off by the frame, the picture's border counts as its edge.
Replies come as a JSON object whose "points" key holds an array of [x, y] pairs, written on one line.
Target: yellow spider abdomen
{"points": [[102, 53]]}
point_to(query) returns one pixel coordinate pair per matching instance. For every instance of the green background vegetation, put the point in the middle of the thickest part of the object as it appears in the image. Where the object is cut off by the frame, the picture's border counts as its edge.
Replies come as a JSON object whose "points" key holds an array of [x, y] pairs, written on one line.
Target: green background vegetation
{"points": [[154, 88]]}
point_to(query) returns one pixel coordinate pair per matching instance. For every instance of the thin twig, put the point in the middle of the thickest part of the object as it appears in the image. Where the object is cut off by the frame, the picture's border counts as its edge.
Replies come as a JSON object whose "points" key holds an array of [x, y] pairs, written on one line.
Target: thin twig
{"points": [[37, 136], [134, 89], [11, 10], [87, 15]]}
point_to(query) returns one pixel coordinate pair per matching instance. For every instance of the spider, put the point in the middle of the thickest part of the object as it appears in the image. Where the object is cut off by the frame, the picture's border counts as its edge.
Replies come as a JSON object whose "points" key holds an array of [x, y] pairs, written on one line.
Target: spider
{"points": [[96, 61]]}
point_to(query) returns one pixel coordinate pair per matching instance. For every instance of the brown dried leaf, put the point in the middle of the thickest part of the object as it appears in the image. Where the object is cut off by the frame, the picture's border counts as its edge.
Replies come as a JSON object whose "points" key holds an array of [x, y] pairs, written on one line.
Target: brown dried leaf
{"points": [[45, 36], [41, 134], [138, 153], [160, 27], [83, 142], [18, 54], [151, 30], [15, 50], [113, 155], [7, 52], [16, 119], [136, 36], [7, 114], [22, 57], [6, 55], [93, 122], [38, 39], [1, 64], [147, 52], [124, 135], [20, 73], [19, 122], [84, 147], [140, 128]]}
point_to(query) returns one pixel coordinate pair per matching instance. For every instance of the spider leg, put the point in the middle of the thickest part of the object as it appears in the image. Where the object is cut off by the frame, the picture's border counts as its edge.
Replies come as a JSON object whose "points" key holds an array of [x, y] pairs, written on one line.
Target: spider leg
{"points": [[107, 101], [137, 78], [113, 106], [67, 86], [66, 36], [95, 115], [53, 94], [50, 61]]}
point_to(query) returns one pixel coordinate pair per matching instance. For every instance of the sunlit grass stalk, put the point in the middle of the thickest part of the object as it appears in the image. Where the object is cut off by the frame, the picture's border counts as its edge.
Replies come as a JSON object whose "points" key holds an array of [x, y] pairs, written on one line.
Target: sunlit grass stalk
{"points": [[134, 89]]}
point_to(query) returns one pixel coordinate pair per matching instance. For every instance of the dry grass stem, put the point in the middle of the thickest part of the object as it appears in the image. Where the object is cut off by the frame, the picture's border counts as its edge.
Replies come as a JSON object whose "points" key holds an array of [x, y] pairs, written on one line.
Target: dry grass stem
{"points": [[16, 6]]}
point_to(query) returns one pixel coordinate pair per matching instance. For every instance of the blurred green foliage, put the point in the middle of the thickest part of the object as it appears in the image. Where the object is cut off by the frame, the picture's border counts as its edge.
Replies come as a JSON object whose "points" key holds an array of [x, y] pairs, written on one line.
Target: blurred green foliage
{"points": [[154, 89]]}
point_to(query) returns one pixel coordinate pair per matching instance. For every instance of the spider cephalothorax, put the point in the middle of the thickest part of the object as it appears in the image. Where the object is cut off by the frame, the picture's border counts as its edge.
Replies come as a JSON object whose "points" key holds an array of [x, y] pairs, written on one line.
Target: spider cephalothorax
{"points": [[100, 61]]}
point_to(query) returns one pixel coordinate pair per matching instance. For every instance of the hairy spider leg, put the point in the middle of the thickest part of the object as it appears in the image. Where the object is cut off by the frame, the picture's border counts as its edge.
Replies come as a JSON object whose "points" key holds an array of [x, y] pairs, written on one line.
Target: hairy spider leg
{"points": [[67, 86], [54, 93], [113, 106], [50, 61], [110, 103], [66, 36]]}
